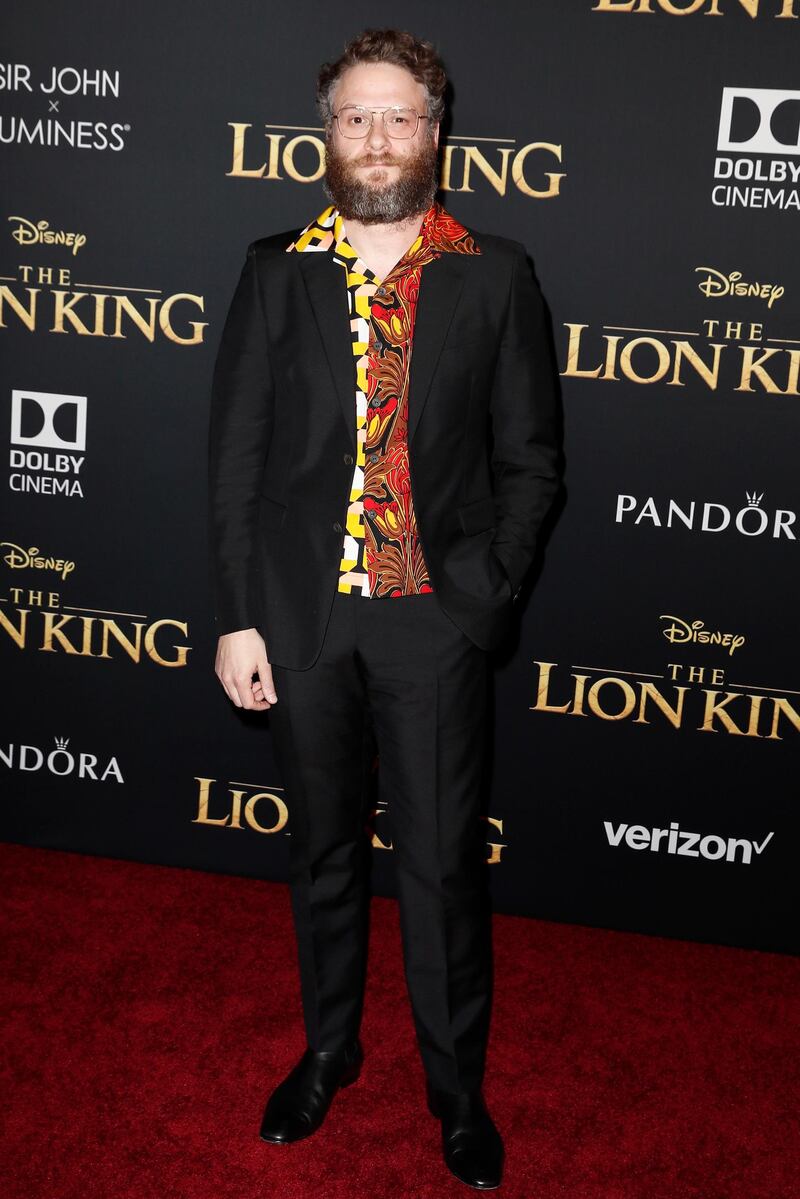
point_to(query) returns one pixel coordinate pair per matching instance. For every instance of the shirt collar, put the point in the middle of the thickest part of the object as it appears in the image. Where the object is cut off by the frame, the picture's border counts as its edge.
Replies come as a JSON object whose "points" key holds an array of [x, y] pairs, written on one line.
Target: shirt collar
{"points": [[439, 232]]}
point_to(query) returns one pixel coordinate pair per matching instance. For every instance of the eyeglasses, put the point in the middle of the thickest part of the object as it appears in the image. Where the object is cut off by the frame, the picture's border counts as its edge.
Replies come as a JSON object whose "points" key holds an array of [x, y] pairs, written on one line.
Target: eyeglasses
{"points": [[356, 121]]}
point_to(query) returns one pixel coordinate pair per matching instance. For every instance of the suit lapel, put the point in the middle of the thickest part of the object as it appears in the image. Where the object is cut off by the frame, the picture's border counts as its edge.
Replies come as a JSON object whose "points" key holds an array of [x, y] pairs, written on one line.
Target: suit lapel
{"points": [[326, 290], [441, 282], [440, 287]]}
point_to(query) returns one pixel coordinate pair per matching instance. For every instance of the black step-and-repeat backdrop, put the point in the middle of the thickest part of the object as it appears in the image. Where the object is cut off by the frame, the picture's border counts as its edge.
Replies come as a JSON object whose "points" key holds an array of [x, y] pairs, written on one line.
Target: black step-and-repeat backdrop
{"points": [[647, 152]]}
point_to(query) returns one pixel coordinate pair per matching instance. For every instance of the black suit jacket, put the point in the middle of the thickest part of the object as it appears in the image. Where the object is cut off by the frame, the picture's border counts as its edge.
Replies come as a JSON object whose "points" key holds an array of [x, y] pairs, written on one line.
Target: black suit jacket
{"points": [[481, 437]]}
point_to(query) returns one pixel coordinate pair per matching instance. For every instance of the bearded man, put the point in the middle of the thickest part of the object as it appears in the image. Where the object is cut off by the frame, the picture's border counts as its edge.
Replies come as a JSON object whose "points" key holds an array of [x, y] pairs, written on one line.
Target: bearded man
{"points": [[382, 453]]}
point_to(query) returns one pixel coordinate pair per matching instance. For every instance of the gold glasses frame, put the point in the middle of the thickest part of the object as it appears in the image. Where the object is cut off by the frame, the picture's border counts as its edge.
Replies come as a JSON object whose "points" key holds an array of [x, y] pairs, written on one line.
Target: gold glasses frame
{"points": [[363, 110]]}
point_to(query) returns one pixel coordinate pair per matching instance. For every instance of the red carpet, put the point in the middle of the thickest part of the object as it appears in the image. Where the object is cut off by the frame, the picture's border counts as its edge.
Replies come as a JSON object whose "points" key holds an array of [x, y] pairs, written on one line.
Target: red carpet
{"points": [[149, 1011]]}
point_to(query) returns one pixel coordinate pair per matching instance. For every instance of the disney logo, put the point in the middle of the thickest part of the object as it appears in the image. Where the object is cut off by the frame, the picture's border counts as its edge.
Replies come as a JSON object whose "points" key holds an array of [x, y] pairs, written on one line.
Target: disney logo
{"points": [[28, 234], [681, 631], [718, 284], [18, 558]]}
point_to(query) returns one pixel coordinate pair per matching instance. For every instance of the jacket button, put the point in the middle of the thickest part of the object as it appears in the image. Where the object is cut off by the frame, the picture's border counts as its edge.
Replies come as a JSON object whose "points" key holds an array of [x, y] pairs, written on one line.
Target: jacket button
{"points": [[348, 459], [337, 528]]}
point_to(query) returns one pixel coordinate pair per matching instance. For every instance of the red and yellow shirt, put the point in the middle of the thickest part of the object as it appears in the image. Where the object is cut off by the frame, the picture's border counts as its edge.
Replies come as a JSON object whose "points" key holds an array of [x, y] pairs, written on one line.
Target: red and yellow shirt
{"points": [[382, 554]]}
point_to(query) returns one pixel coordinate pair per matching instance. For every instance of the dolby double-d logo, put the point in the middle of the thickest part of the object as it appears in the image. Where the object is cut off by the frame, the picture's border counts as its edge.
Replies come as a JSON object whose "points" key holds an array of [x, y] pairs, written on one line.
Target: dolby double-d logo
{"points": [[48, 440], [759, 120], [44, 419]]}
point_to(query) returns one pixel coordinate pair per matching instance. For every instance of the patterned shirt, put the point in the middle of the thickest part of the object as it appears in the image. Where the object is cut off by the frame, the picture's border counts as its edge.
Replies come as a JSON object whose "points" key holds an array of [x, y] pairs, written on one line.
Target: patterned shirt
{"points": [[382, 554]]}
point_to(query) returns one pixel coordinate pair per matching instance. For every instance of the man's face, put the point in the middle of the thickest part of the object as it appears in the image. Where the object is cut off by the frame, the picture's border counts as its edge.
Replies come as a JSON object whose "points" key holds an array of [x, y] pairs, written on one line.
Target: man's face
{"points": [[379, 179]]}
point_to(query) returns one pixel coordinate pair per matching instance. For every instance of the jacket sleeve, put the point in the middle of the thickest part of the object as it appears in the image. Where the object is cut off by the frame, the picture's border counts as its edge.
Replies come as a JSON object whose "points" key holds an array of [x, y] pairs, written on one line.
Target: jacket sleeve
{"points": [[524, 408], [240, 424]]}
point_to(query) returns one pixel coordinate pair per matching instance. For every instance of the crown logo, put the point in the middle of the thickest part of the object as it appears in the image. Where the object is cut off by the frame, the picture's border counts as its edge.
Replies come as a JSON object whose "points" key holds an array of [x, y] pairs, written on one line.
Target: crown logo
{"points": [[62, 742], [753, 500]]}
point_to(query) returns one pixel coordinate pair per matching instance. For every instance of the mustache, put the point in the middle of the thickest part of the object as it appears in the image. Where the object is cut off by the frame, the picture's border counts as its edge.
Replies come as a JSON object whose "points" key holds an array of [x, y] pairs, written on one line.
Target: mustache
{"points": [[376, 162]]}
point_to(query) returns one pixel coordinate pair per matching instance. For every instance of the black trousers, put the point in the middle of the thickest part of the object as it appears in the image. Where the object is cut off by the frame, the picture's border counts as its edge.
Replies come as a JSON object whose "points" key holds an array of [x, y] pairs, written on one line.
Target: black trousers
{"points": [[400, 670]]}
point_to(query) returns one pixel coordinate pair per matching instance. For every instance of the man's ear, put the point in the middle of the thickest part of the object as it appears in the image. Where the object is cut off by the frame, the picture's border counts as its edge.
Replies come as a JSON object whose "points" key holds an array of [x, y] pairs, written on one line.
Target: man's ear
{"points": [[435, 134]]}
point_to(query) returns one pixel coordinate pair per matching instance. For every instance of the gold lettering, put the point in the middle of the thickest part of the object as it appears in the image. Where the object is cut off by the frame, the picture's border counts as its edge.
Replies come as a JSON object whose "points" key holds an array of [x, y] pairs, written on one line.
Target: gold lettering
{"points": [[673, 715], [100, 314], [616, 6], [709, 375], [53, 631], [282, 812], [495, 848], [541, 704], [518, 171], [167, 327], [376, 841], [674, 11], [27, 316], [780, 704], [794, 370], [64, 309], [17, 635], [447, 162], [144, 325], [627, 691], [150, 643], [236, 809], [202, 804], [716, 708], [237, 167], [111, 629], [755, 708], [274, 140], [661, 352], [498, 181], [573, 352], [752, 366], [612, 343], [288, 158], [580, 686]]}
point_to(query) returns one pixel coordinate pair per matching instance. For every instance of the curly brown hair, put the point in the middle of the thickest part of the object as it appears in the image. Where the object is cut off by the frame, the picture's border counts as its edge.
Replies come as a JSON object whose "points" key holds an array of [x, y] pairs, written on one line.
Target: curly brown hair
{"points": [[387, 45]]}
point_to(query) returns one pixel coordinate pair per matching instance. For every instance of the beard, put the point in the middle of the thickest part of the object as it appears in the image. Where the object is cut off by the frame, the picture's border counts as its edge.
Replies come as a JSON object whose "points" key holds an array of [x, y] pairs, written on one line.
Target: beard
{"points": [[374, 203]]}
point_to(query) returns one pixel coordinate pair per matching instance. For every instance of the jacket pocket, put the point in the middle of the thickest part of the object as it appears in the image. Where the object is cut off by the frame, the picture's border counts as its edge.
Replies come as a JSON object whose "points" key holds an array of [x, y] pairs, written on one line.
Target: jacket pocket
{"points": [[477, 516]]}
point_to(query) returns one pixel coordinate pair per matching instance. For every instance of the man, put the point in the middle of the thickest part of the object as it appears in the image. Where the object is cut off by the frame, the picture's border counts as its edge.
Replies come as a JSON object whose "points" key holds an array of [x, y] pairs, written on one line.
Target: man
{"points": [[382, 454]]}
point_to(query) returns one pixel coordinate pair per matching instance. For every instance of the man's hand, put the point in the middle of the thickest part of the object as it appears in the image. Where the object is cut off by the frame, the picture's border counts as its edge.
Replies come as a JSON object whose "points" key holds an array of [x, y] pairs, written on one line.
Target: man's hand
{"points": [[240, 655]]}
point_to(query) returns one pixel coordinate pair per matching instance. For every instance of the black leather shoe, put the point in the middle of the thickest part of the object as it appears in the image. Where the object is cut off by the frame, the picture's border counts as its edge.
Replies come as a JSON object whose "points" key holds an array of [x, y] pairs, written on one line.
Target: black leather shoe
{"points": [[472, 1146], [299, 1104]]}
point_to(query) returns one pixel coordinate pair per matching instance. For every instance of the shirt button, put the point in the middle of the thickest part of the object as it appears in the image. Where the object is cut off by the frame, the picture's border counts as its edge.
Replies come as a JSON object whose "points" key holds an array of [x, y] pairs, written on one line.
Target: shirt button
{"points": [[337, 528], [373, 457], [381, 291], [348, 459], [374, 402]]}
